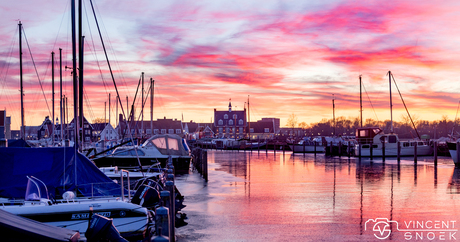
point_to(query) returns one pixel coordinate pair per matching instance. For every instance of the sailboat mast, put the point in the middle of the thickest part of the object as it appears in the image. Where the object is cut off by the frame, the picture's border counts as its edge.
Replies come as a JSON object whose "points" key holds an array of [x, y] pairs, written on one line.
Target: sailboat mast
{"points": [[333, 112], [249, 121], [142, 104], [360, 100], [60, 87], [20, 81], [81, 39], [109, 108], [152, 82], [391, 104], [52, 90]]}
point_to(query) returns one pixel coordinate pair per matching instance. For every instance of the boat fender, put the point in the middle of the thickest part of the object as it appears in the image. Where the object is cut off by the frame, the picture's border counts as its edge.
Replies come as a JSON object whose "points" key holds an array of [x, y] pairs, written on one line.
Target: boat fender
{"points": [[69, 195]]}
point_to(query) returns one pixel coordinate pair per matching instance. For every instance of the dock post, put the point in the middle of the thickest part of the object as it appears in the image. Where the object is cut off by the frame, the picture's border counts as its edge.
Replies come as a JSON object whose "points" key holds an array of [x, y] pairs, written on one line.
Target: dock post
{"points": [[399, 151], [266, 146], [258, 144], [162, 221], [436, 153], [340, 148], [331, 148], [315, 146], [274, 148], [172, 213], [415, 153], [371, 149], [205, 165], [383, 151], [359, 149], [284, 147], [293, 146], [349, 149], [458, 153]]}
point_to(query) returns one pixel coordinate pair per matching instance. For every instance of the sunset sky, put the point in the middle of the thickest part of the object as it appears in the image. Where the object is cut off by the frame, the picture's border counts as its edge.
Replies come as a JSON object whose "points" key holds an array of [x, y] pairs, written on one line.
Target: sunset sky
{"points": [[290, 57]]}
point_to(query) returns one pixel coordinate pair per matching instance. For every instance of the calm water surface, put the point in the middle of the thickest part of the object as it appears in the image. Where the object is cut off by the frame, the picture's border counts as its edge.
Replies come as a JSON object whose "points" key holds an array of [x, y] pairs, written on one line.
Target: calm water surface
{"points": [[275, 197]]}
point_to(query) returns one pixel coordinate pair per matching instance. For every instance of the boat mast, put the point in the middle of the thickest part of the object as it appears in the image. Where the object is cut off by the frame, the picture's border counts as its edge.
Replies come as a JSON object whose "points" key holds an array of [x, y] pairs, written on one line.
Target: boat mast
{"points": [[360, 100], [20, 78], [142, 111], [52, 91], [81, 39], [391, 104], [109, 108], [249, 121], [333, 112], [152, 82], [60, 86]]}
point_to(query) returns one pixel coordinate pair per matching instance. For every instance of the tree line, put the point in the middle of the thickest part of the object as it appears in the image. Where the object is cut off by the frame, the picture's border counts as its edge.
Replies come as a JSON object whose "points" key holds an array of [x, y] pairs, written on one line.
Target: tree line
{"points": [[404, 128]]}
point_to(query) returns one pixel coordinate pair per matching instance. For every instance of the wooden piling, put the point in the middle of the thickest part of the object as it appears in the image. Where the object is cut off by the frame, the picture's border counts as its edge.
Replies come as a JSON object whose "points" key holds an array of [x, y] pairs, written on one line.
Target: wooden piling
{"points": [[435, 153], [415, 153], [371, 149], [399, 152], [383, 151]]}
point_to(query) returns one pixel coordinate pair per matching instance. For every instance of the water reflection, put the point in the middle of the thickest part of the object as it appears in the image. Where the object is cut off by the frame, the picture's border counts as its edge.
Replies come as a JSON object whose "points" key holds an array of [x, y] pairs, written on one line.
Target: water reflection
{"points": [[308, 197]]}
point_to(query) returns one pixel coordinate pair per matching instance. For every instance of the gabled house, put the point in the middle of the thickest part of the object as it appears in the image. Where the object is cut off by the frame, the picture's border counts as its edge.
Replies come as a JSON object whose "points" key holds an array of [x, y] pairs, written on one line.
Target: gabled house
{"points": [[230, 123], [45, 130], [108, 134], [87, 128]]}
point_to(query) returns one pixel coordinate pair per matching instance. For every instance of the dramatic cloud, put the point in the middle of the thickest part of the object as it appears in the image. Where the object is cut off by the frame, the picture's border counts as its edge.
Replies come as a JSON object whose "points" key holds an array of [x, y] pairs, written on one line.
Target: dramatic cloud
{"points": [[289, 57]]}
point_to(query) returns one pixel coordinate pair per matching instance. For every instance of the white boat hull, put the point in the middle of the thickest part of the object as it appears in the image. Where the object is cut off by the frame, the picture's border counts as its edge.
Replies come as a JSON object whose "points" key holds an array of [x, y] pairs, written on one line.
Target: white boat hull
{"points": [[308, 148], [127, 217], [393, 151]]}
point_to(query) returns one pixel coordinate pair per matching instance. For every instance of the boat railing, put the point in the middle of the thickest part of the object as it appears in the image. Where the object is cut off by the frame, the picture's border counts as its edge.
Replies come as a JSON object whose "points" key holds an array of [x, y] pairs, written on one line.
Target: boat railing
{"points": [[122, 184]]}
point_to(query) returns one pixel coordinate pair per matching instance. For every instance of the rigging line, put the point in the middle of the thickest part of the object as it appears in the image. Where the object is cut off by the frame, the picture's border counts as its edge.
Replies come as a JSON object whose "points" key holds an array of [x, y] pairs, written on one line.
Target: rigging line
{"points": [[93, 50], [415, 128], [115, 85], [455, 120], [370, 103], [49, 111], [7, 63], [111, 49], [145, 101], [60, 25], [88, 104]]}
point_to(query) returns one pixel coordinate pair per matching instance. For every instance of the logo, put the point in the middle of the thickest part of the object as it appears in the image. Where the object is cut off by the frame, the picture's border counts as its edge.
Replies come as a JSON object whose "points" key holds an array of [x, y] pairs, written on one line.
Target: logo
{"points": [[417, 230], [381, 227]]}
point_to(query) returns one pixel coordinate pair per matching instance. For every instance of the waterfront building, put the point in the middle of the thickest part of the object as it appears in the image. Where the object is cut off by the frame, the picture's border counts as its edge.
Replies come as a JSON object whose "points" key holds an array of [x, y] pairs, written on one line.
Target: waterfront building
{"points": [[230, 123]]}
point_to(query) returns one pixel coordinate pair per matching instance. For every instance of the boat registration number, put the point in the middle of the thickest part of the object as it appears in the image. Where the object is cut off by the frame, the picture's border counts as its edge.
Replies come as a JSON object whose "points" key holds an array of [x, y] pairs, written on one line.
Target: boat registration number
{"points": [[86, 215]]}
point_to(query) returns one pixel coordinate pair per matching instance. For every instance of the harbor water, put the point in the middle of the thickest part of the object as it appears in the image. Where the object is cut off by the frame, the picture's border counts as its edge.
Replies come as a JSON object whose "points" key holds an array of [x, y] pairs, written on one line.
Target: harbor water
{"points": [[253, 196]]}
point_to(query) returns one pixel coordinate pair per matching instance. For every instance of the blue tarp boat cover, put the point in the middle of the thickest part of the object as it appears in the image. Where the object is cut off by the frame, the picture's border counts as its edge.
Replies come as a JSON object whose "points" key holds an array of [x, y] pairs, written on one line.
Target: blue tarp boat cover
{"points": [[15, 228], [17, 143], [57, 168]]}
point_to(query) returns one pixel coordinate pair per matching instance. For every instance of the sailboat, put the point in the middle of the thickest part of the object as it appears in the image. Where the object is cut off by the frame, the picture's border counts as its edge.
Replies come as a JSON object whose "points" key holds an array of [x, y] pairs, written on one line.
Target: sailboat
{"points": [[62, 187], [372, 141]]}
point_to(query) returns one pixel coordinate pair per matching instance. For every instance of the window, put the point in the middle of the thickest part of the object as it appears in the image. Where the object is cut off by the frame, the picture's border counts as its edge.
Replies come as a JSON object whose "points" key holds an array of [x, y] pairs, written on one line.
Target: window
{"points": [[392, 139], [251, 130], [163, 131], [170, 131], [173, 144], [227, 130], [363, 133], [235, 116], [86, 126], [86, 138], [225, 116], [221, 122], [156, 131], [149, 131], [178, 131], [241, 130], [241, 122], [139, 153], [266, 130], [230, 122], [220, 130], [132, 131], [140, 131]]}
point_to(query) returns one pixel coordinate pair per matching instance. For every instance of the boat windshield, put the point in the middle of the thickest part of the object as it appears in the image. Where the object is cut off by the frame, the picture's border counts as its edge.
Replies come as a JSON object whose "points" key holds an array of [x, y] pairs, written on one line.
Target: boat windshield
{"points": [[35, 190]]}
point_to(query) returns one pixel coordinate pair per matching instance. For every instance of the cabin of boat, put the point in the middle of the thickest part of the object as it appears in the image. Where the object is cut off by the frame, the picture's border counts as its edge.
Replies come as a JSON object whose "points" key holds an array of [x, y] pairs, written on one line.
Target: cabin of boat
{"points": [[373, 138]]}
